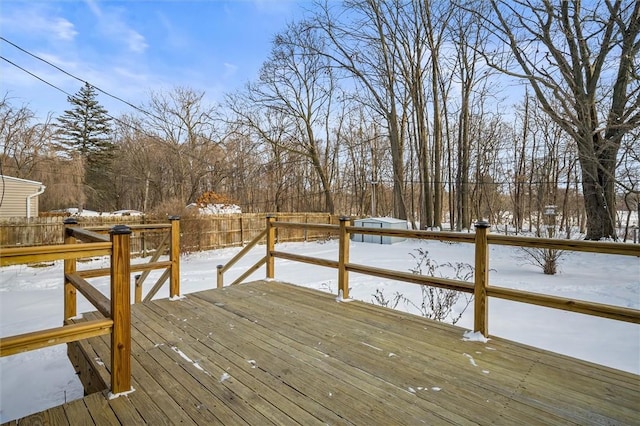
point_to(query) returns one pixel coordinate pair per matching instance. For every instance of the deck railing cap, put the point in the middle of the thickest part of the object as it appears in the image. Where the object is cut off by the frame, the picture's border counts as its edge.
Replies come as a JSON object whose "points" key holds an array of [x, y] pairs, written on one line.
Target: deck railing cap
{"points": [[120, 230], [482, 224]]}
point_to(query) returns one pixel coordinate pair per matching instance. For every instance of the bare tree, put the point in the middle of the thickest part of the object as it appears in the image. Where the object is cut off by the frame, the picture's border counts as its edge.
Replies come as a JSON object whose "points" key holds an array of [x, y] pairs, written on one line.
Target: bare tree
{"points": [[299, 85], [182, 125], [24, 143], [468, 38], [356, 42], [408, 25], [581, 60]]}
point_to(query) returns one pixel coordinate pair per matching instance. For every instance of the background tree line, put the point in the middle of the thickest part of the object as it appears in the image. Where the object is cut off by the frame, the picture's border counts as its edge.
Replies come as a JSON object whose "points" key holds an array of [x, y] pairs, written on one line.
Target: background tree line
{"points": [[435, 112]]}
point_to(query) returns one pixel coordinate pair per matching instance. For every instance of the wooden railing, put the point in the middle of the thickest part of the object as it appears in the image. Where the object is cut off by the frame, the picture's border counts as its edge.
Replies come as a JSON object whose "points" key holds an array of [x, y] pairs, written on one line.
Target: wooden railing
{"points": [[480, 287], [170, 243], [85, 243], [116, 309]]}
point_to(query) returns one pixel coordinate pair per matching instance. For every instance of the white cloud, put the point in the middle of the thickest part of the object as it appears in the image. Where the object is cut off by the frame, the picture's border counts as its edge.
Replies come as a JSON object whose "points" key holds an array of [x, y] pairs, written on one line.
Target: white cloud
{"points": [[93, 6], [112, 24], [136, 42], [63, 29], [38, 21]]}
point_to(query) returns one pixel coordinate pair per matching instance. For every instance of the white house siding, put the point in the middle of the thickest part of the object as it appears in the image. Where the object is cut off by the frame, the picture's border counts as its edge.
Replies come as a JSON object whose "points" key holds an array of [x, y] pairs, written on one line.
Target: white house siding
{"points": [[14, 193]]}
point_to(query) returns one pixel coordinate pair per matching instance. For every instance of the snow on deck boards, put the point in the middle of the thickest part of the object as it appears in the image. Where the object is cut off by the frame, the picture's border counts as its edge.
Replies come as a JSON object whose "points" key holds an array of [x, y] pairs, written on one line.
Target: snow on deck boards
{"points": [[271, 353]]}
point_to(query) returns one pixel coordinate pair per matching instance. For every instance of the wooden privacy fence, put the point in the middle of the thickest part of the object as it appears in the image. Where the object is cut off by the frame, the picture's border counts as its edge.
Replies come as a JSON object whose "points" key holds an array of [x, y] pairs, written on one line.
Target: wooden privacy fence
{"points": [[198, 232], [85, 243], [480, 288], [208, 233]]}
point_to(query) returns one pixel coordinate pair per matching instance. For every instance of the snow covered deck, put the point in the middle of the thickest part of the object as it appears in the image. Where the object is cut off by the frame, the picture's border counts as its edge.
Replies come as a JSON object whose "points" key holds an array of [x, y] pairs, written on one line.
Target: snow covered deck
{"points": [[271, 353]]}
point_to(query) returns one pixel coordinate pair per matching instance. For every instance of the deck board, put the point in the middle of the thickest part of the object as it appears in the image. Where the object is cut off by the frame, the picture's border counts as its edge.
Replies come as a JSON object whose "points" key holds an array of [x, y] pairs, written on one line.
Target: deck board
{"points": [[271, 353]]}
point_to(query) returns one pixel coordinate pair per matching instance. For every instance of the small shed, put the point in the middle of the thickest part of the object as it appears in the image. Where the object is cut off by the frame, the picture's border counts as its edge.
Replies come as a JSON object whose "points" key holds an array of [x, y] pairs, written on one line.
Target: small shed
{"points": [[378, 222], [19, 197]]}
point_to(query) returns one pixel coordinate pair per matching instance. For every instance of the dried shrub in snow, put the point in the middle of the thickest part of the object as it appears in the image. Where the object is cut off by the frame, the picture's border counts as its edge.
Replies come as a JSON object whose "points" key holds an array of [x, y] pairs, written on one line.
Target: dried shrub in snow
{"points": [[547, 259], [436, 303]]}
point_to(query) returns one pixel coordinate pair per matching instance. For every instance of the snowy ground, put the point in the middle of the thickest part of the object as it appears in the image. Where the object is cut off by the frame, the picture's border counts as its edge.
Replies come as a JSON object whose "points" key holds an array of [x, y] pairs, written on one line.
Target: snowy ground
{"points": [[32, 299]]}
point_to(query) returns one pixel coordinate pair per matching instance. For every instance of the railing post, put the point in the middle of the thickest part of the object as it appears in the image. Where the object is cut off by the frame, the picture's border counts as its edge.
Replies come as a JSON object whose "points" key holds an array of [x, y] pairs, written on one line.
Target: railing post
{"points": [[343, 258], [220, 280], [481, 302], [120, 309], [174, 257], [69, 268], [271, 241], [138, 289]]}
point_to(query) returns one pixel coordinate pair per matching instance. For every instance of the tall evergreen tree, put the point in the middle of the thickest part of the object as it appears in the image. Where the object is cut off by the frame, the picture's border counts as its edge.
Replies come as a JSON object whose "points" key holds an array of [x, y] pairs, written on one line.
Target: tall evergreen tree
{"points": [[85, 134]]}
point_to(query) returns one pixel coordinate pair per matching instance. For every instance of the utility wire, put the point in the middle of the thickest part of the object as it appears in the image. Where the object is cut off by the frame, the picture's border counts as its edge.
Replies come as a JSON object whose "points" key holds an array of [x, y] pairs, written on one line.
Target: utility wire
{"points": [[149, 114], [35, 76], [126, 124], [33, 55]]}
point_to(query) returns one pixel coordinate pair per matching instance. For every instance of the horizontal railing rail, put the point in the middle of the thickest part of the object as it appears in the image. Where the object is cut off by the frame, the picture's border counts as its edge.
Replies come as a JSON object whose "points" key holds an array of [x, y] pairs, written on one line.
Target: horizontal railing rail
{"points": [[86, 235], [39, 254], [305, 259], [136, 267], [456, 237], [412, 278], [307, 226], [602, 247], [12, 345], [583, 307], [480, 287], [137, 227]]}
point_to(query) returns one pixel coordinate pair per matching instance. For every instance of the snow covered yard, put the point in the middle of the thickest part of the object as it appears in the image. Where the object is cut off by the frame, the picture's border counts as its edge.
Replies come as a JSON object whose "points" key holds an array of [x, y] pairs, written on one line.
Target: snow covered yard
{"points": [[31, 299]]}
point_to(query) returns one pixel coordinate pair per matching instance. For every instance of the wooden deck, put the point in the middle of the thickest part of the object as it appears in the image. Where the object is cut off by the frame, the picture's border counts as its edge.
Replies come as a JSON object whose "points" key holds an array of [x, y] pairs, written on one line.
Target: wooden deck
{"points": [[271, 353]]}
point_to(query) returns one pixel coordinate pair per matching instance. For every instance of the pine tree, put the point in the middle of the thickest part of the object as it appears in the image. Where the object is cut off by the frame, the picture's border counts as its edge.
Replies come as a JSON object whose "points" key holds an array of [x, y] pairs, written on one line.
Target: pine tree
{"points": [[84, 134], [85, 129]]}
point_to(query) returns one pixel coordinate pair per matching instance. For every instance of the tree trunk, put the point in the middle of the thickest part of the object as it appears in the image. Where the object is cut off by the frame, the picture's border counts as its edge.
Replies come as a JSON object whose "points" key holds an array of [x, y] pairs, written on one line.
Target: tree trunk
{"points": [[397, 161], [599, 206]]}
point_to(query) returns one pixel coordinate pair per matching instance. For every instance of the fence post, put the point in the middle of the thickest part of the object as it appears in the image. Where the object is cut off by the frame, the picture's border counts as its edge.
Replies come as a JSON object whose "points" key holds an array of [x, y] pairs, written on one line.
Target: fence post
{"points": [[271, 239], [69, 268], [220, 280], [241, 232], [481, 302], [343, 258], [174, 257], [120, 309]]}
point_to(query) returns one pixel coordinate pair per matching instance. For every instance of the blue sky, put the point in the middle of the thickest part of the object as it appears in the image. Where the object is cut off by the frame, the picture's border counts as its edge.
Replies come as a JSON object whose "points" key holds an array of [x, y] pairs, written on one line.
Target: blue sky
{"points": [[129, 48]]}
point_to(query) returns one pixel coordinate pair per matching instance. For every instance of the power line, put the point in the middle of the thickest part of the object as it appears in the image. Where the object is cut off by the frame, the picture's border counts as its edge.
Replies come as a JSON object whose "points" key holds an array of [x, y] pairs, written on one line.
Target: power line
{"points": [[126, 124], [143, 111], [33, 55], [35, 76]]}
